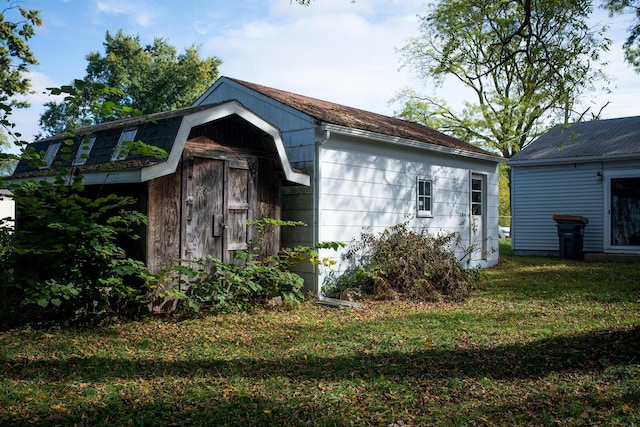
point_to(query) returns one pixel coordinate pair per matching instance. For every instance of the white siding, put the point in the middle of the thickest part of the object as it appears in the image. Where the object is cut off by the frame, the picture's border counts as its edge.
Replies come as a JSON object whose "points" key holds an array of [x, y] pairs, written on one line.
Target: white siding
{"points": [[367, 184], [7, 206], [362, 183], [539, 192]]}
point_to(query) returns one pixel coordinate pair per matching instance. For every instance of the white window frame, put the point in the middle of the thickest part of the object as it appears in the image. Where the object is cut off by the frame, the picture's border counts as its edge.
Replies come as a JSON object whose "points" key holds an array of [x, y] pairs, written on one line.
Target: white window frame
{"points": [[421, 194], [82, 155], [52, 150], [122, 151], [480, 192]]}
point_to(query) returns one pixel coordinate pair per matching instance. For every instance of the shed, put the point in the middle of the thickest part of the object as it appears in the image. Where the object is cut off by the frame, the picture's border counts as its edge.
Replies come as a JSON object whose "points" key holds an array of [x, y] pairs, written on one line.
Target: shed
{"points": [[373, 171], [590, 169], [249, 151], [225, 165]]}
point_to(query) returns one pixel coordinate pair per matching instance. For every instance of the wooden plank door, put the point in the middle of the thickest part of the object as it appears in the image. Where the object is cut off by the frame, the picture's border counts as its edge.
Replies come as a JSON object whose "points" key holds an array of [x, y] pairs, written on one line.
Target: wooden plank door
{"points": [[217, 205], [203, 206], [237, 206]]}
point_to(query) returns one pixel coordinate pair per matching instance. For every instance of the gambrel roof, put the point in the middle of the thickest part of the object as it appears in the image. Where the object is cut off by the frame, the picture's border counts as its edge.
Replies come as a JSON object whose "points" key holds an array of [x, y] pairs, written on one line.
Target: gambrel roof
{"points": [[598, 140], [168, 131], [354, 118]]}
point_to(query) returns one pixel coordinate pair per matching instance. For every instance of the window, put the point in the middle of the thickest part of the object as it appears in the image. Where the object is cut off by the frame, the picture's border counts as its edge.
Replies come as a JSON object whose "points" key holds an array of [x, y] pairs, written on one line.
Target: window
{"points": [[83, 151], [52, 150], [124, 144], [476, 196], [423, 197]]}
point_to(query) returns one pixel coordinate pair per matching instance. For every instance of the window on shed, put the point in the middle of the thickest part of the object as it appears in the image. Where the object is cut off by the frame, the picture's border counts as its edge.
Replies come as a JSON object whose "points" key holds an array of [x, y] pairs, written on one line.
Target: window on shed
{"points": [[83, 151], [52, 150], [424, 197], [124, 144]]}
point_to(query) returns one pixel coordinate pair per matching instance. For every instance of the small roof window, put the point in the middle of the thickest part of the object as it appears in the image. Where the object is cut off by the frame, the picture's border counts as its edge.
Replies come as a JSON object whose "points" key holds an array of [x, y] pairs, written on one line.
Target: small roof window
{"points": [[124, 144], [52, 150], [82, 155]]}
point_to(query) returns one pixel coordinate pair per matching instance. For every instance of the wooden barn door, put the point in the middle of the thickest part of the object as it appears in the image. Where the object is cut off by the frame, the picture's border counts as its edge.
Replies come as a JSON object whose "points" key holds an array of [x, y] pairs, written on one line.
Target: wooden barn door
{"points": [[237, 205], [216, 207]]}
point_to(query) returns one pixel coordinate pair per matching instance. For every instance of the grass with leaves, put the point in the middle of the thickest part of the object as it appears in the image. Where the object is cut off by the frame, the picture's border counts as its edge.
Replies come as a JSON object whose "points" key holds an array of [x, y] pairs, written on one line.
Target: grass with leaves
{"points": [[545, 342]]}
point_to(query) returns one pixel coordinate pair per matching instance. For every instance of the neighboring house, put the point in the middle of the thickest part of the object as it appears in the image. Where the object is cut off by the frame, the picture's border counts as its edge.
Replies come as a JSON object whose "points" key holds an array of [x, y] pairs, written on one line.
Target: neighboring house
{"points": [[7, 207], [589, 169], [245, 151]]}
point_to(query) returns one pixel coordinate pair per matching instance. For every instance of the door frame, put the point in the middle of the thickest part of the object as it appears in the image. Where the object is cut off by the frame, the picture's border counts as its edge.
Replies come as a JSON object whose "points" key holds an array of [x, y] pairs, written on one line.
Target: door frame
{"points": [[480, 233], [607, 176]]}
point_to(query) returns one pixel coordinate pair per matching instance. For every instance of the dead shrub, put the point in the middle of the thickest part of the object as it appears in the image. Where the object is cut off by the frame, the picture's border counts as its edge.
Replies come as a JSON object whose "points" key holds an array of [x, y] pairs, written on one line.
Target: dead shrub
{"points": [[400, 263]]}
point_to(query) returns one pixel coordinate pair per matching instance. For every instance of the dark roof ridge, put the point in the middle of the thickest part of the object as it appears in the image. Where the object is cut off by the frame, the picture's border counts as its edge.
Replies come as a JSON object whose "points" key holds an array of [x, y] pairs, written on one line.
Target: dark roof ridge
{"points": [[130, 121], [351, 117]]}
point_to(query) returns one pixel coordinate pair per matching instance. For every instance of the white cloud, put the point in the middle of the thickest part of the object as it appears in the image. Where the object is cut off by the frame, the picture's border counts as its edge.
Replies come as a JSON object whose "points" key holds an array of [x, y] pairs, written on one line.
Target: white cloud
{"points": [[333, 50], [26, 120], [141, 13]]}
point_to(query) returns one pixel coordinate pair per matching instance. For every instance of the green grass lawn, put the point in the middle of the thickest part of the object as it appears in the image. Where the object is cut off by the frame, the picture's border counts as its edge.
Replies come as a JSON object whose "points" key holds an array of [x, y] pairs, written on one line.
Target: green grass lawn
{"points": [[545, 342]]}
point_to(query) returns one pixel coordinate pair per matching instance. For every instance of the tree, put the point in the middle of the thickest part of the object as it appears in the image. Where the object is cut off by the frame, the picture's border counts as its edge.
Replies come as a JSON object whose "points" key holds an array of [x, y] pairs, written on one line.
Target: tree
{"points": [[155, 78], [6, 164], [632, 44], [68, 258], [526, 62], [15, 57]]}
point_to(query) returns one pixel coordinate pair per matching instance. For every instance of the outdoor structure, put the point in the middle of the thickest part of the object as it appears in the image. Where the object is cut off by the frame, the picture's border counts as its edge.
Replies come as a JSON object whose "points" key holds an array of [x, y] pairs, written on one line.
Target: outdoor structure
{"points": [[7, 207], [245, 151], [588, 169], [372, 171], [224, 166]]}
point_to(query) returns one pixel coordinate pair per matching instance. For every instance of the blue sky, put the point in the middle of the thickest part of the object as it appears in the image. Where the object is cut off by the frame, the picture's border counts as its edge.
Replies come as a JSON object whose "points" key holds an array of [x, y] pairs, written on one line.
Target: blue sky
{"points": [[334, 49]]}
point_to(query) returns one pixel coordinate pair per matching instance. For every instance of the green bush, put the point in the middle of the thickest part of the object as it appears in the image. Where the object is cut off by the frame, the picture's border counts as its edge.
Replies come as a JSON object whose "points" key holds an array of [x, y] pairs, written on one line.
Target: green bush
{"points": [[65, 253], [250, 281], [65, 258], [401, 263]]}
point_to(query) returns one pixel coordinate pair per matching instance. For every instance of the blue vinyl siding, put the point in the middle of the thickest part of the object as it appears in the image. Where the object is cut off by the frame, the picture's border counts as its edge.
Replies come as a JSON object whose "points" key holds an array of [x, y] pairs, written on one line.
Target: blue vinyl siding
{"points": [[539, 192]]}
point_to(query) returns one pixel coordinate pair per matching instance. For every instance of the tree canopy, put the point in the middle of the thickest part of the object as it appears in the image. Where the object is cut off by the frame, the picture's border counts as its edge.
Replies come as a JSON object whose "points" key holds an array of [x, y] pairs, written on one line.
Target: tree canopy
{"points": [[17, 26], [154, 78], [526, 62], [632, 44]]}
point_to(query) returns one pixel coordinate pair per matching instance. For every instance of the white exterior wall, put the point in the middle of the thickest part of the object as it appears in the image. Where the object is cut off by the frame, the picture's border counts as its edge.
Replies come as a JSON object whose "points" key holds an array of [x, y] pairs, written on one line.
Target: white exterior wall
{"points": [[368, 184], [540, 191], [7, 206]]}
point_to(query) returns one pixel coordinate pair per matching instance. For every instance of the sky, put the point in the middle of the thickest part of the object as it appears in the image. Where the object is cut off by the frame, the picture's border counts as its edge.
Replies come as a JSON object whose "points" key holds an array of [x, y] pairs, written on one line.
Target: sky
{"points": [[337, 50]]}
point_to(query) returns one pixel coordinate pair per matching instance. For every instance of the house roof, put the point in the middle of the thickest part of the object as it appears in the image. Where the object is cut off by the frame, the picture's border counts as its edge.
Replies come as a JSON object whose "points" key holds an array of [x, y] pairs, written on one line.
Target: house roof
{"points": [[158, 129], [354, 118], [584, 141]]}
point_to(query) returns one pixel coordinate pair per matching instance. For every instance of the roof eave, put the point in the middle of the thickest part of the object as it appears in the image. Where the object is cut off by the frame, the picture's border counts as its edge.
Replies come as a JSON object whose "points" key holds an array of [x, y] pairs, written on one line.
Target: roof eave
{"points": [[571, 160], [410, 143]]}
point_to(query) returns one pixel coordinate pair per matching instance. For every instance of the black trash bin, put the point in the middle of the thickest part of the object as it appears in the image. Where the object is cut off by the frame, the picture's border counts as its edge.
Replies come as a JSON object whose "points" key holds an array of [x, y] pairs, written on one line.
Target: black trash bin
{"points": [[571, 235]]}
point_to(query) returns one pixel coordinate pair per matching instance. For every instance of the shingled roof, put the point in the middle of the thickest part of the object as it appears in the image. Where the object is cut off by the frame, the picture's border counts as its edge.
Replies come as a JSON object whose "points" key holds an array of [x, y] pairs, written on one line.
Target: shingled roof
{"points": [[597, 139], [354, 118]]}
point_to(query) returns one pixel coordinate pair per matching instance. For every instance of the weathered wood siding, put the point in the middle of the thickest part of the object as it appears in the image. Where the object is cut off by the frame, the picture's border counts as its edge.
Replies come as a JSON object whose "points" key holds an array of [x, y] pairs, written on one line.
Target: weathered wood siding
{"points": [[165, 215]]}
